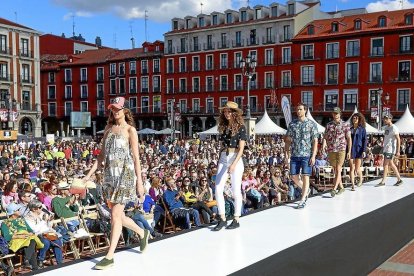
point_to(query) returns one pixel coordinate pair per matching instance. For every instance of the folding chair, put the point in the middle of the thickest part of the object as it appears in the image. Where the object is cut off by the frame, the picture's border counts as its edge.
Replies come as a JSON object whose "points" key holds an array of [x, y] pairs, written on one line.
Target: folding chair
{"points": [[168, 223], [101, 239], [326, 176], [79, 240]]}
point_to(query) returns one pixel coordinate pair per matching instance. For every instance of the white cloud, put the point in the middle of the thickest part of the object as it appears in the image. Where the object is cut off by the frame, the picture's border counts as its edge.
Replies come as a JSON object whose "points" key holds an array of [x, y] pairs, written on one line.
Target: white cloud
{"points": [[389, 5], [77, 14], [158, 10]]}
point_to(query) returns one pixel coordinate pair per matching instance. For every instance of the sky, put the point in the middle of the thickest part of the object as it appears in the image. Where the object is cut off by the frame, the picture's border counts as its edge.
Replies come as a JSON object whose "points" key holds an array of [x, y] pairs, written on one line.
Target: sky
{"points": [[117, 21]]}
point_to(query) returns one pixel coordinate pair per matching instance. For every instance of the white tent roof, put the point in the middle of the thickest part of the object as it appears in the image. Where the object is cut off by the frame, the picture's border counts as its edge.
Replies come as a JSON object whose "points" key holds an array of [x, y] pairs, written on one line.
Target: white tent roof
{"points": [[406, 123], [166, 131], [211, 131], [370, 129], [147, 131], [321, 129], [266, 126]]}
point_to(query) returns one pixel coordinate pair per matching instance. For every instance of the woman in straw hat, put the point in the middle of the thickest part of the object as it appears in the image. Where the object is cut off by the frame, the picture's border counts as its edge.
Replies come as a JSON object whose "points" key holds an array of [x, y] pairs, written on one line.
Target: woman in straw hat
{"points": [[122, 174], [233, 137]]}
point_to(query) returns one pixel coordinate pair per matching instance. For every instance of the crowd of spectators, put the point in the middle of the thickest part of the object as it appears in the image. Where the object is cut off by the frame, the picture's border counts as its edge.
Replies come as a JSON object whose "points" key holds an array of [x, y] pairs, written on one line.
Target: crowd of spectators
{"points": [[35, 185]]}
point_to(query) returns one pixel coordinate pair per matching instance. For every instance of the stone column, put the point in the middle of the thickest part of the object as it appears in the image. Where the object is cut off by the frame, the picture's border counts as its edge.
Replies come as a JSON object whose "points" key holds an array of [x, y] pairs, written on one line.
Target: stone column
{"points": [[79, 132], [164, 124], [61, 126], [46, 128], [94, 128], [152, 124], [140, 122], [203, 123], [190, 126]]}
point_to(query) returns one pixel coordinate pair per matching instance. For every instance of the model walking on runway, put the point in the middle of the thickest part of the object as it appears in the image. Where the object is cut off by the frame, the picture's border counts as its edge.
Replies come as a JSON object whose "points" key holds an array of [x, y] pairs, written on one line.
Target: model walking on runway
{"points": [[391, 148], [233, 137], [122, 175], [359, 147], [301, 146]]}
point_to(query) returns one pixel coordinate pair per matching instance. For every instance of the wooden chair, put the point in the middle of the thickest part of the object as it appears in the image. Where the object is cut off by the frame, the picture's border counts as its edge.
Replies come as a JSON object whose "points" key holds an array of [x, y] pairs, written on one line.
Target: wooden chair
{"points": [[101, 239], [167, 223], [326, 176], [8, 259], [80, 241]]}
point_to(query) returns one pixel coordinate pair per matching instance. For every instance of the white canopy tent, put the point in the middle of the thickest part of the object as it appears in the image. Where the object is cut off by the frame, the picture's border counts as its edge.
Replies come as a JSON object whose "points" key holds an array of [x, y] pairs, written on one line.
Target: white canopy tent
{"points": [[267, 127], [406, 123], [370, 129], [167, 131], [321, 129], [147, 131], [210, 131]]}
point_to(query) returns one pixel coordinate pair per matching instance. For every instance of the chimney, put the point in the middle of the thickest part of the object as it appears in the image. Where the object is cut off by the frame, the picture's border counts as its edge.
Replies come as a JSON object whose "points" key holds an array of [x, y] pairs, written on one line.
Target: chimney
{"points": [[98, 41]]}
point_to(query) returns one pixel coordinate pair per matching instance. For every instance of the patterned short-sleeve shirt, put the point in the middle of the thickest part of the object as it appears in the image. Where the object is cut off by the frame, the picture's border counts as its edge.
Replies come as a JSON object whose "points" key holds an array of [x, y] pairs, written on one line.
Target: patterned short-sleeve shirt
{"points": [[335, 136], [303, 134]]}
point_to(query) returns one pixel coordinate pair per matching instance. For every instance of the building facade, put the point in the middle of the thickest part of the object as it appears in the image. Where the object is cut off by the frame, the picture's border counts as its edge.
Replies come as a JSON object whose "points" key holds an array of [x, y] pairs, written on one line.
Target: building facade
{"points": [[20, 78]]}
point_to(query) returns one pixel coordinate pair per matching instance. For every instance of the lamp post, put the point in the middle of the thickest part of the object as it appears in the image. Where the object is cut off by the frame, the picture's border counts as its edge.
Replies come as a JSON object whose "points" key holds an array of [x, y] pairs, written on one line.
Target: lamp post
{"points": [[248, 66]]}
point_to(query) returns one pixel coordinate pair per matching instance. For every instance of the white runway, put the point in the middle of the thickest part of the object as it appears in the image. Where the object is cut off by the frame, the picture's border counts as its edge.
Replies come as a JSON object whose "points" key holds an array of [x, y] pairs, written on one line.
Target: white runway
{"points": [[261, 235]]}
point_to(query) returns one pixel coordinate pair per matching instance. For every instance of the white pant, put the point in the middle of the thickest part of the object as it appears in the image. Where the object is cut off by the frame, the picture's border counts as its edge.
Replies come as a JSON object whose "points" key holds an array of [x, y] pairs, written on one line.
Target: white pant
{"points": [[236, 178]]}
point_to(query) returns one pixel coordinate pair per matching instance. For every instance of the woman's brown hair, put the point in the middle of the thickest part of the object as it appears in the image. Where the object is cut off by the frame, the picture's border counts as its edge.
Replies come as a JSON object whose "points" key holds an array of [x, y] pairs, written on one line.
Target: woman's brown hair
{"points": [[225, 124], [361, 119], [128, 118]]}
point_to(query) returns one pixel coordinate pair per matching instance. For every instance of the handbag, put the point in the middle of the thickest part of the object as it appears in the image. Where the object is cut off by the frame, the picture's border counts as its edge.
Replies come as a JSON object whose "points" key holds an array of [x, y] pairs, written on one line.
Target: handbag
{"points": [[51, 236], [211, 203]]}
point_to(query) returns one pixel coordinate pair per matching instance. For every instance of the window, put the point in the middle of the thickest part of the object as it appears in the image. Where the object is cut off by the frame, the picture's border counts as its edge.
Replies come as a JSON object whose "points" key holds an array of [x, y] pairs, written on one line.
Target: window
{"points": [[144, 104], [332, 74], [258, 13], [133, 105], [286, 79], [307, 98], [156, 66], [183, 67], [382, 22], [156, 102], [100, 91], [68, 75], [187, 23], [253, 81], [26, 73], [68, 108], [170, 86], [229, 18], [223, 83], [404, 70], [122, 87], [169, 47], [156, 83], [195, 44], [269, 56], [112, 69], [331, 100], [201, 22], [112, 90], [274, 11], [307, 51], [144, 84], [252, 37], [196, 64], [334, 27], [100, 74], [408, 19], [376, 72], [51, 76], [350, 99], [223, 40], [357, 24], [286, 33], [238, 39], [183, 85], [352, 48], [3, 44], [51, 92], [223, 101], [170, 65], [253, 103], [52, 109], [269, 79], [209, 84], [238, 82], [101, 108], [68, 92], [196, 105], [308, 73], [209, 62], [175, 25], [209, 42], [215, 19], [286, 56], [132, 85], [332, 50], [84, 75], [269, 35], [26, 100], [243, 16], [24, 47], [239, 101], [223, 61], [84, 106], [351, 72], [4, 74], [132, 67], [144, 66], [122, 68], [377, 48], [311, 30], [169, 105], [84, 92], [237, 59], [403, 99], [291, 9], [183, 106], [406, 44], [183, 46], [196, 84]]}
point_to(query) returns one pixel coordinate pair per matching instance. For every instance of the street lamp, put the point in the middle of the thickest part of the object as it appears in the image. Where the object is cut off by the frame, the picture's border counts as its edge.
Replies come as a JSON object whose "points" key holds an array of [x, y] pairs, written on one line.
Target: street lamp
{"points": [[248, 66], [378, 97]]}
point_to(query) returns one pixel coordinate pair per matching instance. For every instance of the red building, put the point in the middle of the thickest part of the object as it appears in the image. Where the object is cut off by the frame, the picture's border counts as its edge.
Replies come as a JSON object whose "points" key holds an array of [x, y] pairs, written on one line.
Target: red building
{"points": [[345, 61]]}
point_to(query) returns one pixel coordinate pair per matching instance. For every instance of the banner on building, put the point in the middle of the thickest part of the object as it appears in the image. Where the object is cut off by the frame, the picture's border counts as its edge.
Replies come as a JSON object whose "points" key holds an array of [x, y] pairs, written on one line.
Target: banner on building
{"points": [[286, 110], [374, 112], [4, 115], [80, 119]]}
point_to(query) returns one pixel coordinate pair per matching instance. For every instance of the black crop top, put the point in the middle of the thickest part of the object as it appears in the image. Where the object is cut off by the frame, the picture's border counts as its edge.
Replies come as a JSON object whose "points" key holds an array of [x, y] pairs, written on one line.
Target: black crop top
{"points": [[233, 141]]}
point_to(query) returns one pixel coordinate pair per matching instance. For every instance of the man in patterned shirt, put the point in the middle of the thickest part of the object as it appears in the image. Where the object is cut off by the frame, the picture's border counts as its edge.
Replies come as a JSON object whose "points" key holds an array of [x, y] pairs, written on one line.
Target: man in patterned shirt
{"points": [[337, 138], [301, 145]]}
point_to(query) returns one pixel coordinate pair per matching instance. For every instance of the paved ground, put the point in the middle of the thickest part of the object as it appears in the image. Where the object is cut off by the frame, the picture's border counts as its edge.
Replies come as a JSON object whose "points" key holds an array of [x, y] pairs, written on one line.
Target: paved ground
{"points": [[401, 264]]}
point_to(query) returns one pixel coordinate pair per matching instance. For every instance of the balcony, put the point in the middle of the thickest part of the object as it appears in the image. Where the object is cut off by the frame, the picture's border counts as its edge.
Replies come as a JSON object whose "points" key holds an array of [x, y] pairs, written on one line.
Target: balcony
{"points": [[100, 79], [26, 80], [144, 90], [84, 96], [100, 96], [195, 48], [169, 51], [67, 96], [144, 71], [252, 41], [6, 77], [156, 89], [224, 44], [208, 46], [285, 38], [401, 78], [132, 90], [132, 72], [156, 70], [6, 51], [182, 49], [121, 72], [68, 80], [51, 81], [25, 54], [377, 52], [112, 74], [83, 80], [269, 39], [375, 80], [236, 43]]}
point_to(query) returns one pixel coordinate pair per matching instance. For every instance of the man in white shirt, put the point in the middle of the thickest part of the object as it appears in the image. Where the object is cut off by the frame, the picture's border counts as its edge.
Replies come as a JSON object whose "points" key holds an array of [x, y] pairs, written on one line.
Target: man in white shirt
{"points": [[391, 148]]}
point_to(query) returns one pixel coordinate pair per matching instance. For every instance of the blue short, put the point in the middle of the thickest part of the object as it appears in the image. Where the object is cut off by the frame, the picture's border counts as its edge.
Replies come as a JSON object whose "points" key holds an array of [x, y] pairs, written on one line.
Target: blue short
{"points": [[300, 163]]}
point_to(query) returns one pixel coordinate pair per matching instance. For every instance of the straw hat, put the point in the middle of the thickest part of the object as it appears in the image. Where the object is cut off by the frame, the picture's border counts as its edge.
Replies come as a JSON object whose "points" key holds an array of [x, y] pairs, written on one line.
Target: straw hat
{"points": [[232, 105]]}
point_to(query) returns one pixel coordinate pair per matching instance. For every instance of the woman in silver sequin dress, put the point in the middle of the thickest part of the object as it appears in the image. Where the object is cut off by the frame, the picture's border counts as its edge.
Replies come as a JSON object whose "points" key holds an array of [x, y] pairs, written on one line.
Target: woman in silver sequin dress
{"points": [[122, 174]]}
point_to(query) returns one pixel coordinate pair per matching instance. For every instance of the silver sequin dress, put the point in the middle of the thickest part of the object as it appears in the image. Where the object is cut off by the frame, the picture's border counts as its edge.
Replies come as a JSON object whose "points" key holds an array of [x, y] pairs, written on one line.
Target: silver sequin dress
{"points": [[119, 186]]}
